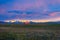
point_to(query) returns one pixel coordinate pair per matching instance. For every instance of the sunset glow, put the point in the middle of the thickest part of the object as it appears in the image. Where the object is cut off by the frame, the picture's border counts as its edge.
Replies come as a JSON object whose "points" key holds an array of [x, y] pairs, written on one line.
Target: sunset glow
{"points": [[26, 10]]}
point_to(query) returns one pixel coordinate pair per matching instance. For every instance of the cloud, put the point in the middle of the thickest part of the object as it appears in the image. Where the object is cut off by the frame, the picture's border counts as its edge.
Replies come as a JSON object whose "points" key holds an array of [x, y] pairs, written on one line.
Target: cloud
{"points": [[36, 4], [55, 2], [30, 9], [54, 14]]}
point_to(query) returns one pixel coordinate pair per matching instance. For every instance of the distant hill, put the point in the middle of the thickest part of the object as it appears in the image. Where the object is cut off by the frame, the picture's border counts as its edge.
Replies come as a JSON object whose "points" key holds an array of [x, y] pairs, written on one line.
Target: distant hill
{"points": [[2, 22], [17, 22], [53, 22]]}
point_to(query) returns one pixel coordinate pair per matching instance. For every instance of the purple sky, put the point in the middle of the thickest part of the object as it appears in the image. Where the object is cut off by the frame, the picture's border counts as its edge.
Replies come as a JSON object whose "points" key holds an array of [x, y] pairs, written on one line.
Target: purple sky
{"points": [[30, 9]]}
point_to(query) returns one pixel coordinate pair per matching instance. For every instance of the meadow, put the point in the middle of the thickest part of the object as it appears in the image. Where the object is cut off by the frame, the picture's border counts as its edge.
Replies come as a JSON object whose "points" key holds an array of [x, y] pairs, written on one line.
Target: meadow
{"points": [[30, 32]]}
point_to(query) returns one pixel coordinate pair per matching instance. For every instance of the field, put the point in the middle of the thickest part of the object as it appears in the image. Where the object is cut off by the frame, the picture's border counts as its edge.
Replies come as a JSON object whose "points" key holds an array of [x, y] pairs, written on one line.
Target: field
{"points": [[30, 32]]}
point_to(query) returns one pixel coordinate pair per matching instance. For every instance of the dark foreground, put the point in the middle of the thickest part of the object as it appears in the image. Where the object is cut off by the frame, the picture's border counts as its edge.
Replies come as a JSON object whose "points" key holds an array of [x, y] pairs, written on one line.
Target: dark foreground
{"points": [[30, 32]]}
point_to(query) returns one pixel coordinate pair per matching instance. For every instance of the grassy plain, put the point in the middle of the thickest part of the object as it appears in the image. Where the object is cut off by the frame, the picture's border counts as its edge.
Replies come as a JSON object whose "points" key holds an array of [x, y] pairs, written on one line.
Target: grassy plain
{"points": [[30, 32]]}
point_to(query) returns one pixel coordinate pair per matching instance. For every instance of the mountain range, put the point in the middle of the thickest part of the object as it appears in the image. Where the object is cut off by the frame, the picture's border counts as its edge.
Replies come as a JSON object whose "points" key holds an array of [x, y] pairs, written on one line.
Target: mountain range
{"points": [[17, 22]]}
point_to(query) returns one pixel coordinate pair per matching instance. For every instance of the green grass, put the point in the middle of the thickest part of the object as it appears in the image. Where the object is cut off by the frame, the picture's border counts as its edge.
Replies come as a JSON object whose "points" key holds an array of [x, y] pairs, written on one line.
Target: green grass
{"points": [[27, 36], [30, 25], [49, 34], [44, 26]]}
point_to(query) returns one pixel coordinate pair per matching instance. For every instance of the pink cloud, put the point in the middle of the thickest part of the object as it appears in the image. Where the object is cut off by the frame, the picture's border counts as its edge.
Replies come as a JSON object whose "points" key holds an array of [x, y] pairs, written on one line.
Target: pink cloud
{"points": [[28, 5], [54, 13], [53, 2], [54, 19], [2, 10]]}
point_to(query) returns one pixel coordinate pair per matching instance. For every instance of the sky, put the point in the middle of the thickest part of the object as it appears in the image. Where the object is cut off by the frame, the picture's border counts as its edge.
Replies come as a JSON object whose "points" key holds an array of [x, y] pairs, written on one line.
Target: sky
{"points": [[30, 10]]}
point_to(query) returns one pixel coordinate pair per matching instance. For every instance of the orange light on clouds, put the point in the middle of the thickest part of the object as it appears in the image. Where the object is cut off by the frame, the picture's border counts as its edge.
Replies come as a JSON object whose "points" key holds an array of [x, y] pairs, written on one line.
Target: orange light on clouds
{"points": [[39, 20]]}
